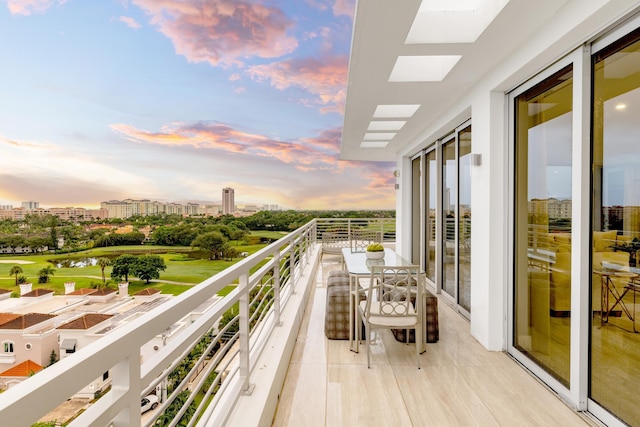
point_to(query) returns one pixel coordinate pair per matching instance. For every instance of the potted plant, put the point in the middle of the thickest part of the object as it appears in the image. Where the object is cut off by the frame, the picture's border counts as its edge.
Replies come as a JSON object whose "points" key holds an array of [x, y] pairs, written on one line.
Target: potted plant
{"points": [[629, 247], [375, 251]]}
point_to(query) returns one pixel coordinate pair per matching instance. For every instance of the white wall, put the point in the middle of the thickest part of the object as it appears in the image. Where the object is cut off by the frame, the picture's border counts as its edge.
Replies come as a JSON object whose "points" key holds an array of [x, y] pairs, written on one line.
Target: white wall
{"points": [[580, 21]]}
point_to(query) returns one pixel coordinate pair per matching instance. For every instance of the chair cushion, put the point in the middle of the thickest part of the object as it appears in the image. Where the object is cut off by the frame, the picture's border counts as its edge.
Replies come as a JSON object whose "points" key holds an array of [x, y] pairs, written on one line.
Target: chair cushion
{"points": [[376, 316], [431, 320]]}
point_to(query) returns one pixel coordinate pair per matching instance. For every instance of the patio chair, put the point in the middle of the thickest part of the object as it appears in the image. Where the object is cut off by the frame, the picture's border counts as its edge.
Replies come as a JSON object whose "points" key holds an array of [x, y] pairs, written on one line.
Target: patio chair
{"points": [[360, 239], [388, 303]]}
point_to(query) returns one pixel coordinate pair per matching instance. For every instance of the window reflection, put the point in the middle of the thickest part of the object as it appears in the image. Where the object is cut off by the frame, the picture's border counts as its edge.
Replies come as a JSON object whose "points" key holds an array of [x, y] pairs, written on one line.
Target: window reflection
{"points": [[543, 224], [449, 200], [430, 197], [464, 219], [615, 365]]}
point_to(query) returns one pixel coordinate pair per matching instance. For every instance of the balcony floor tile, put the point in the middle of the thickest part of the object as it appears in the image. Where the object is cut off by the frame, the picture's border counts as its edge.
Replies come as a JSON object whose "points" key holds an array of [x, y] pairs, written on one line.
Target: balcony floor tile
{"points": [[460, 383]]}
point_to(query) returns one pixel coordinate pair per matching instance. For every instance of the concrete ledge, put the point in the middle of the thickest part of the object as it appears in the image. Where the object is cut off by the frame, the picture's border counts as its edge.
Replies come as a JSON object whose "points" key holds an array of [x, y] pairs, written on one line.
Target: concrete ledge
{"points": [[270, 369]]}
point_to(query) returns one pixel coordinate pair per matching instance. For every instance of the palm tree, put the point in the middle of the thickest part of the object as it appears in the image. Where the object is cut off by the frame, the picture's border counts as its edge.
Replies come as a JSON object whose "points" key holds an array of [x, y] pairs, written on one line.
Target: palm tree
{"points": [[103, 262], [45, 273], [15, 270]]}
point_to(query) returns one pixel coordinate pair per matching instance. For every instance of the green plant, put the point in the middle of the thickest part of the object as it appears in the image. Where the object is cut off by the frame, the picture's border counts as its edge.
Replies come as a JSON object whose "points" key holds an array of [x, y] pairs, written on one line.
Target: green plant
{"points": [[629, 247], [375, 247]]}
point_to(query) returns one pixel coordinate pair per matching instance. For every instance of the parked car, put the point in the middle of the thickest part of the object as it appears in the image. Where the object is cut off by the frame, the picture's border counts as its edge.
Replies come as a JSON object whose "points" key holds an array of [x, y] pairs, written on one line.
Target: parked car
{"points": [[148, 402]]}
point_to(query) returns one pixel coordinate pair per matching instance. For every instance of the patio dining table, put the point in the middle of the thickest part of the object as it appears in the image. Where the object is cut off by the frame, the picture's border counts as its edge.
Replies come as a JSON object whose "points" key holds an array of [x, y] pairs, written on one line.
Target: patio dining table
{"points": [[359, 266]]}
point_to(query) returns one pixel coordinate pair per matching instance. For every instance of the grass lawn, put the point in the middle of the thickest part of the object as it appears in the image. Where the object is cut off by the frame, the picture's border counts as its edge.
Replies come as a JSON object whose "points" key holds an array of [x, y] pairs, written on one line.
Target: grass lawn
{"points": [[183, 269]]}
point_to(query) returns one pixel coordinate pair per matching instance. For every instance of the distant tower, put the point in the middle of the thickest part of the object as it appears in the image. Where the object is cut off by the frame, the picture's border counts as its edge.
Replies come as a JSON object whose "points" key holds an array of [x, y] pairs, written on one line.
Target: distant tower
{"points": [[228, 201], [30, 205]]}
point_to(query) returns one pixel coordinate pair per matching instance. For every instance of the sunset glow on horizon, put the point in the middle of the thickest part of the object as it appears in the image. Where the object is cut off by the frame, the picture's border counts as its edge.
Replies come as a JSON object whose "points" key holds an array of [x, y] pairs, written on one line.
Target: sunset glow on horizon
{"points": [[174, 100]]}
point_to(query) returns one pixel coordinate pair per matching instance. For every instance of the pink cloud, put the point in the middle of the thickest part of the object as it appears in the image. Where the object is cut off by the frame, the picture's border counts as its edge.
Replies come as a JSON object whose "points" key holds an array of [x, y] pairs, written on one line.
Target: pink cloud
{"points": [[344, 7], [325, 78], [221, 32], [28, 7], [130, 22], [305, 154]]}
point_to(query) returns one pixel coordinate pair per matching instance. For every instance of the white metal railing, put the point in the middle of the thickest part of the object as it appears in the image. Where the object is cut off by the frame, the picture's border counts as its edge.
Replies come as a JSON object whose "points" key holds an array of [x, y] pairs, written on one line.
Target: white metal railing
{"points": [[266, 281], [345, 226]]}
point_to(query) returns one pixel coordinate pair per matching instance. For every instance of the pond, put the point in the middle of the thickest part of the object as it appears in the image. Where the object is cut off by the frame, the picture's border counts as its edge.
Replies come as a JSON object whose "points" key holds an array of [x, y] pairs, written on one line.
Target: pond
{"points": [[74, 263]]}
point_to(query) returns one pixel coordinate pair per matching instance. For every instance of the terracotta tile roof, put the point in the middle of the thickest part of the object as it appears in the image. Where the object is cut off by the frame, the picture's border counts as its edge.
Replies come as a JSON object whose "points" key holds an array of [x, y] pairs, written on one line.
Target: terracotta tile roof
{"points": [[147, 292], [102, 292], [86, 321], [5, 317], [37, 293], [24, 369], [82, 291], [26, 321]]}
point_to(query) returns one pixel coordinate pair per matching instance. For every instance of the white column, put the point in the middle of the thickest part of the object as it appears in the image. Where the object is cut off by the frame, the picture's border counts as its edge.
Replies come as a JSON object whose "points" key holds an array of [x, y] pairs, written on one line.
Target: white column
{"points": [[489, 230]]}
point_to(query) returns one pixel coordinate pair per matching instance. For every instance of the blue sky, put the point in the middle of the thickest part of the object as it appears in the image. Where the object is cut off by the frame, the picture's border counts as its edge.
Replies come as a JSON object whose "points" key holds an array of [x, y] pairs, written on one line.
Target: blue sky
{"points": [[173, 100]]}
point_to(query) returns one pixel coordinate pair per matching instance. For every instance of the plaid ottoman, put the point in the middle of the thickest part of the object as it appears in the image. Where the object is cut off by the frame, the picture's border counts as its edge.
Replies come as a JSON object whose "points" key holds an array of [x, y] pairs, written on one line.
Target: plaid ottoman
{"points": [[337, 278], [336, 318], [431, 317]]}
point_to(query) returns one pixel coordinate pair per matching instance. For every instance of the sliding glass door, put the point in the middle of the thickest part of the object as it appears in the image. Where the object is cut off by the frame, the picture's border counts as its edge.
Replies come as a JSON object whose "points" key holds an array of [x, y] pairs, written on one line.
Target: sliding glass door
{"points": [[445, 222], [615, 288], [542, 247]]}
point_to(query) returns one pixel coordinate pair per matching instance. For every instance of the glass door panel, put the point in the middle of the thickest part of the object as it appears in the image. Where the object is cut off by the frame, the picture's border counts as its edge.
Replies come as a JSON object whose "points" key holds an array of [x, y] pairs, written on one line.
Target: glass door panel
{"points": [[415, 209], [543, 224], [614, 344], [431, 189], [464, 219], [449, 201]]}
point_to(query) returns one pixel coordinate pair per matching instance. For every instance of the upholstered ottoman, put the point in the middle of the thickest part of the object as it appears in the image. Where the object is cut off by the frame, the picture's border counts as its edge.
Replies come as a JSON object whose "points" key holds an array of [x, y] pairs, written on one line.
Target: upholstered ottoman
{"points": [[336, 318], [431, 320], [337, 278]]}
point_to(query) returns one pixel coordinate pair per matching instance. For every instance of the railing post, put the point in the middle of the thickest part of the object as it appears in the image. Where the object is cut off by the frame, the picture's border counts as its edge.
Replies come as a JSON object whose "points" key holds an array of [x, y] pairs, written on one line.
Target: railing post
{"points": [[307, 242], [276, 288], [247, 387], [126, 380], [292, 266]]}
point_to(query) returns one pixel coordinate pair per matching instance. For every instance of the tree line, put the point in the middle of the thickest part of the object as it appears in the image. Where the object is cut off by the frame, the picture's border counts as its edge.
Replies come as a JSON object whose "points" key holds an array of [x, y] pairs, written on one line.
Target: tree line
{"points": [[39, 233]]}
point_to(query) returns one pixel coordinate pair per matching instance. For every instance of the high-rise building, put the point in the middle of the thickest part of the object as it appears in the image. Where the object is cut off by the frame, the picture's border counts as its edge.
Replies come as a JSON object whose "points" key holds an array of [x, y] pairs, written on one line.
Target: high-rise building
{"points": [[228, 201], [30, 205]]}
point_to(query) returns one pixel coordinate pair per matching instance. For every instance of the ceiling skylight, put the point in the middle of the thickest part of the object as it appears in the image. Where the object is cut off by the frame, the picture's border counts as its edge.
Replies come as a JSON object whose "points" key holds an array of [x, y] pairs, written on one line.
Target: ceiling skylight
{"points": [[447, 21], [378, 136], [386, 124], [397, 111], [374, 144], [428, 68]]}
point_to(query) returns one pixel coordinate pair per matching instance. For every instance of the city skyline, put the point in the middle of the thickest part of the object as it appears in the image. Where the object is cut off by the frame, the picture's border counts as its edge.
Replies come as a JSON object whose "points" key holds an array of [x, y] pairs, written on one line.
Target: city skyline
{"points": [[145, 99]]}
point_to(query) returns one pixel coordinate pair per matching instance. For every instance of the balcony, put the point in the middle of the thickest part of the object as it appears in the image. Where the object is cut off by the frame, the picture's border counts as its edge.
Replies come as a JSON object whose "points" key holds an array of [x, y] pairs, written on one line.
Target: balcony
{"points": [[459, 384], [271, 363]]}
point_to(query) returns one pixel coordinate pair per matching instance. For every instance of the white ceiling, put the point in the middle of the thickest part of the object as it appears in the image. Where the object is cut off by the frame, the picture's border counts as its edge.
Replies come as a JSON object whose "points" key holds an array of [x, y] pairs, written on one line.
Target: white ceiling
{"points": [[381, 28]]}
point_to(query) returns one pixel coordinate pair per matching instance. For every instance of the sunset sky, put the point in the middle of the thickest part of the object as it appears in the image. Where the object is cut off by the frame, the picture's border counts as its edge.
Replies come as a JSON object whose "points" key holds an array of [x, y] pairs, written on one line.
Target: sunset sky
{"points": [[172, 100]]}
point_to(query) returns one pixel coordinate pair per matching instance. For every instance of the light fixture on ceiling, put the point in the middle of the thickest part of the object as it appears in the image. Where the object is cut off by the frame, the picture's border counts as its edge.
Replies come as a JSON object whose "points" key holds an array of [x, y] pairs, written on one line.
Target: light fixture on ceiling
{"points": [[424, 68], [374, 144], [447, 21], [386, 125], [395, 111], [378, 136]]}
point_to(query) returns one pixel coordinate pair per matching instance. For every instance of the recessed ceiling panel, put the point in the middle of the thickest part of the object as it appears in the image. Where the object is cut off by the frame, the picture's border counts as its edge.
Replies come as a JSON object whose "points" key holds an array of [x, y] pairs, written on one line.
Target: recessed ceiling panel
{"points": [[386, 124], [378, 136], [374, 144], [447, 21], [397, 111], [427, 68]]}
